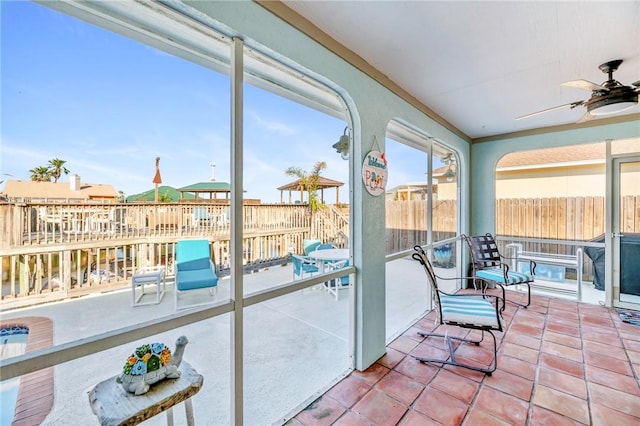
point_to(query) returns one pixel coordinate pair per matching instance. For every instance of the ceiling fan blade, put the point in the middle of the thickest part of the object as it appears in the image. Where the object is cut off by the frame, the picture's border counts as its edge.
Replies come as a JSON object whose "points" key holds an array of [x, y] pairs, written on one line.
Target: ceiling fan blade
{"points": [[584, 84], [586, 117], [571, 105]]}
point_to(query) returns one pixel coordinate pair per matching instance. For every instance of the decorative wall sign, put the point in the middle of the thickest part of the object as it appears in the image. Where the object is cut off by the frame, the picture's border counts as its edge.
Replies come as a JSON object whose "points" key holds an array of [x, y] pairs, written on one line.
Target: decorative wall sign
{"points": [[374, 172]]}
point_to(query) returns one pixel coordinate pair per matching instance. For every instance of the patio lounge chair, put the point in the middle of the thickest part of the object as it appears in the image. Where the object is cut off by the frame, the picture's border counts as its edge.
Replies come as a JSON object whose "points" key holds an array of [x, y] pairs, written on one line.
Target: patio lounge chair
{"points": [[474, 311], [194, 269], [489, 264]]}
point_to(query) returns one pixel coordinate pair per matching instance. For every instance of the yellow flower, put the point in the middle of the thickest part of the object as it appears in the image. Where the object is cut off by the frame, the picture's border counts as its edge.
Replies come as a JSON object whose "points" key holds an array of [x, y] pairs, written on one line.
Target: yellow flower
{"points": [[146, 357], [165, 356]]}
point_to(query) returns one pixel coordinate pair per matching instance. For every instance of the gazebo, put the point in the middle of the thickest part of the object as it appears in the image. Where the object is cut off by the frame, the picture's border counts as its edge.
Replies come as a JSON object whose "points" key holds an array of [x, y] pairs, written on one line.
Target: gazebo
{"points": [[323, 183], [211, 188]]}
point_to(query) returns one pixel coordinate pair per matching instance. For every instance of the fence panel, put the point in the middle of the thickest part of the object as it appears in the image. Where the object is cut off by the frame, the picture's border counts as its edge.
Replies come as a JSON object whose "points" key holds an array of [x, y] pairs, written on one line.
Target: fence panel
{"points": [[570, 218]]}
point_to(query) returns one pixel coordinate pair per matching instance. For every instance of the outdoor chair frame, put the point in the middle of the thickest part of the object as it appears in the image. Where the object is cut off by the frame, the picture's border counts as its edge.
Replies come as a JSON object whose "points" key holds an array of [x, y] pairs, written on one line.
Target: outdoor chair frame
{"points": [[489, 265], [474, 311], [303, 265]]}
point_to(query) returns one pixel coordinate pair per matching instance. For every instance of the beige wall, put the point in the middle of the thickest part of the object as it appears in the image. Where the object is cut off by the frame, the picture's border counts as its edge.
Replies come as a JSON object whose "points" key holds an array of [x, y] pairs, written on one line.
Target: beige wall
{"points": [[573, 181]]}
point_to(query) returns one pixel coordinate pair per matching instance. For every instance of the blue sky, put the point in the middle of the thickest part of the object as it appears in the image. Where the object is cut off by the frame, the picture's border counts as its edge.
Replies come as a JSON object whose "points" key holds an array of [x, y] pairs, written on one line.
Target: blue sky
{"points": [[109, 106]]}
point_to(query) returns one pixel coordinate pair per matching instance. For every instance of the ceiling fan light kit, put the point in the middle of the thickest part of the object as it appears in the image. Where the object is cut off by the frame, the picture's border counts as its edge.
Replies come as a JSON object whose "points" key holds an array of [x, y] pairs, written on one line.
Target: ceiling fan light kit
{"points": [[612, 103], [610, 97]]}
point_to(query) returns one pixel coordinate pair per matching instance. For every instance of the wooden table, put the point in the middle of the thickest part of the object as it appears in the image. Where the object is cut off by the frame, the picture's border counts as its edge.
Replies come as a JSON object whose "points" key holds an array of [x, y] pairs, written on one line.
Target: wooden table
{"points": [[115, 406]]}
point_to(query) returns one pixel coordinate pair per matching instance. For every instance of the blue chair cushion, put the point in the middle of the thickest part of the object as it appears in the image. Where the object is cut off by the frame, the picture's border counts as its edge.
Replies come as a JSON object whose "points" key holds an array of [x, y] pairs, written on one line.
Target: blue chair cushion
{"points": [[310, 245], [469, 310], [497, 275], [300, 266], [195, 279], [194, 268], [194, 264], [187, 250]]}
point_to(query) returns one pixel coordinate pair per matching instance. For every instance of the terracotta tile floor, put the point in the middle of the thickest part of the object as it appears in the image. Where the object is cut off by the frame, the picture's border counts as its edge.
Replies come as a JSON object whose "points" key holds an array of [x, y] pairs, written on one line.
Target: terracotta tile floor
{"points": [[559, 363]]}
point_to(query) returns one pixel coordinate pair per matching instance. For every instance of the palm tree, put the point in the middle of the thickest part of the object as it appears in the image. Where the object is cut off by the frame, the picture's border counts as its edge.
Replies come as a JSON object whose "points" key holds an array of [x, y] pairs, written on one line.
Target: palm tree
{"points": [[309, 182], [40, 174], [57, 168]]}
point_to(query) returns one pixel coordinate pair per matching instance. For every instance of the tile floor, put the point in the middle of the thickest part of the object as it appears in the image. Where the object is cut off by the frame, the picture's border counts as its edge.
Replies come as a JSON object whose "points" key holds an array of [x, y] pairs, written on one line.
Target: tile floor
{"points": [[559, 363]]}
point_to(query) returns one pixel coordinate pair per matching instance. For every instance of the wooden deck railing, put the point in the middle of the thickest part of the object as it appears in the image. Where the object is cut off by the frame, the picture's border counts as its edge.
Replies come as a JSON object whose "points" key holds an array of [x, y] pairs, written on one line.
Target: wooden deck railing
{"points": [[62, 250], [47, 223]]}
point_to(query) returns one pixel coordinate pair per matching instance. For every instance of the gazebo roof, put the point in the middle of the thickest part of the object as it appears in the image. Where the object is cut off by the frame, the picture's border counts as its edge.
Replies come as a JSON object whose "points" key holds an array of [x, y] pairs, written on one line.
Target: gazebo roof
{"points": [[149, 195], [206, 187], [323, 183]]}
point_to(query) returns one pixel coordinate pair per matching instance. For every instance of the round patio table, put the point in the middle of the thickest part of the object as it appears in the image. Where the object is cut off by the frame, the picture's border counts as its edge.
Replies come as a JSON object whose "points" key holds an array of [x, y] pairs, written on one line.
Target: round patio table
{"points": [[329, 255]]}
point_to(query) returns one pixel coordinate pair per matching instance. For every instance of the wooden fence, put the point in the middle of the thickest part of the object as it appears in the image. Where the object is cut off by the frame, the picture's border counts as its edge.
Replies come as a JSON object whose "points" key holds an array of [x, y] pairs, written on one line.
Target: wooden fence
{"points": [[406, 223], [565, 218]]}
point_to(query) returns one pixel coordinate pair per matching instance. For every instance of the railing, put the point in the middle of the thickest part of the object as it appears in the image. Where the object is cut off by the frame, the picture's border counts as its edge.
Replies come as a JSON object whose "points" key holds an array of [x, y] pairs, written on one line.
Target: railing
{"points": [[560, 253], [47, 223], [56, 250]]}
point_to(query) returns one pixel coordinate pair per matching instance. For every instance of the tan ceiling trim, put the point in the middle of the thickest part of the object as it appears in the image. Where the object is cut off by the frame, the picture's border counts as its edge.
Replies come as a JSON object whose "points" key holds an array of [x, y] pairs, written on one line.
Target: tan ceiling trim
{"points": [[561, 128], [305, 26]]}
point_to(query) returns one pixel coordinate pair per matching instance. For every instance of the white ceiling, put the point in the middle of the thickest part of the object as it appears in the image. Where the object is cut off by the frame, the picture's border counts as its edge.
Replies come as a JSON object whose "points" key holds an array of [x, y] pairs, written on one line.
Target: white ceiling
{"points": [[479, 64]]}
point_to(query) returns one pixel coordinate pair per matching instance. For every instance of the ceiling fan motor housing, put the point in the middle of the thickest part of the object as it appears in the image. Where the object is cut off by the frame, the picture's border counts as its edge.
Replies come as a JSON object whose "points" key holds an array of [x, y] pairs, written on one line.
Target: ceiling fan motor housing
{"points": [[615, 95]]}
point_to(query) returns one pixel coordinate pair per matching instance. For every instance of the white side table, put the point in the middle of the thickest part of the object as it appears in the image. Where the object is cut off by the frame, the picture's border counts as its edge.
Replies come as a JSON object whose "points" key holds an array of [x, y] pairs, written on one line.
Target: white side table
{"points": [[148, 275]]}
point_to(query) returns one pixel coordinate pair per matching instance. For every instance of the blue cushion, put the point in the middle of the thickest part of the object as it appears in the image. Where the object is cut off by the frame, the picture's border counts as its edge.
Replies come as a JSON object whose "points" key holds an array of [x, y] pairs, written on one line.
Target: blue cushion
{"points": [[310, 245], [300, 266], [195, 279], [469, 310], [194, 268], [194, 264], [497, 275], [187, 250]]}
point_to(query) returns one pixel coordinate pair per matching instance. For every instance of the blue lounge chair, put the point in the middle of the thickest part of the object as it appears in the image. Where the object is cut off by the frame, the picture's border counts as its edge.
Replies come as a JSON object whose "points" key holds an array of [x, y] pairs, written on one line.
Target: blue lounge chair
{"points": [[194, 268]]}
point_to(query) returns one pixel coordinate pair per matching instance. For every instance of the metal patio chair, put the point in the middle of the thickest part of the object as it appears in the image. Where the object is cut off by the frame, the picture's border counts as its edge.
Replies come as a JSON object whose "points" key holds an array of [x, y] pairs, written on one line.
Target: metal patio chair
{"points": [[490, 265], [474, 311]]}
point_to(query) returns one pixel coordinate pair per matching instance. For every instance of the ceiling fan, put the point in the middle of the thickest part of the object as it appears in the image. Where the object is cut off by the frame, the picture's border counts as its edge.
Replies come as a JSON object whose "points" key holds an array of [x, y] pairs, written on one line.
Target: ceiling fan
{"points": [[609, 97]]}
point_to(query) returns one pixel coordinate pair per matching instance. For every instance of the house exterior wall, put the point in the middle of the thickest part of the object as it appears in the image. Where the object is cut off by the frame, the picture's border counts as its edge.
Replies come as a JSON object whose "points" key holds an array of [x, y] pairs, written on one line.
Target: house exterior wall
{"points": [[577, 181]]}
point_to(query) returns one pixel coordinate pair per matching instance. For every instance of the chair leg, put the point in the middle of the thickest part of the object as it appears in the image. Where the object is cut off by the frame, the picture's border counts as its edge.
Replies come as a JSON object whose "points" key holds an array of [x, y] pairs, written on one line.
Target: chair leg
{"points": [[516, 303], [452, 357]]}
